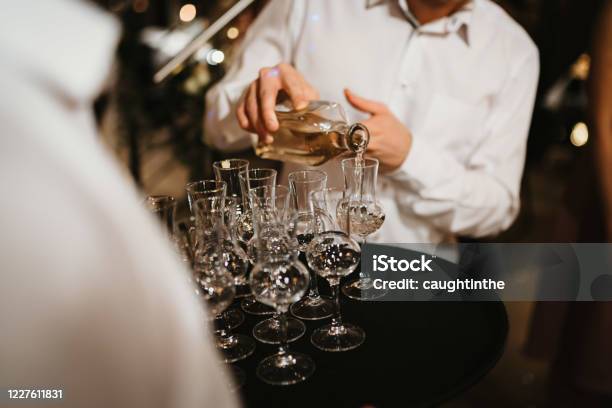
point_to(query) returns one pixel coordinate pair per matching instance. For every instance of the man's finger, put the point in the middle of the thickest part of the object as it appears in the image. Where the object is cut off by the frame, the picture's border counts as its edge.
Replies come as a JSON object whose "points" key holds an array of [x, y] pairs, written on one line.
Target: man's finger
{"points": [[293, 84], [243, 121], [269, 85], [295, 90], [252, 110], [364, 105]]}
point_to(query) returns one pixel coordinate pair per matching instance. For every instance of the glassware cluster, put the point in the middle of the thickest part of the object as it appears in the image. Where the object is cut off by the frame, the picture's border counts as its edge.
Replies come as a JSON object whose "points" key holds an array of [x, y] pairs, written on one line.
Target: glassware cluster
{"points": [[250, 238]]}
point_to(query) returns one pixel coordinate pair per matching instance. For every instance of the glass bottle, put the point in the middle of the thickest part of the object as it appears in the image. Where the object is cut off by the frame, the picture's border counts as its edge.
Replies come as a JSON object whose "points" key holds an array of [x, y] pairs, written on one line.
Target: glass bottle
{"points": [[313, 135]]}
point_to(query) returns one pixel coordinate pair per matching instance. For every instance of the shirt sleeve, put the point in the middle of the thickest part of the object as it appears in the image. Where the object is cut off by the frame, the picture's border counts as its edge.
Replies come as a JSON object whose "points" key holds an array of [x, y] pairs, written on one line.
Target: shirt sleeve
{"points": [[479, 197], [269, 41]]}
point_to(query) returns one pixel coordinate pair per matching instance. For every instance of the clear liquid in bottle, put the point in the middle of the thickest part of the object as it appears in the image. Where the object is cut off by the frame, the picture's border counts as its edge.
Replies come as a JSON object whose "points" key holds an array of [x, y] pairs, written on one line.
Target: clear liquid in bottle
{"points": [[314, 135]]}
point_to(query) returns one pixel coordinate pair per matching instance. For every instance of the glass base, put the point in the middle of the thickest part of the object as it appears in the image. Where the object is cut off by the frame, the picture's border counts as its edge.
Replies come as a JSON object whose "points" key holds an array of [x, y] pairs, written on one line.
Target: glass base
{"points": [[238, 377], [285, 369], [342, 338], [236, 347], [233, 318], [253, 307], [313, 308], [268, 331], [362, 289]]}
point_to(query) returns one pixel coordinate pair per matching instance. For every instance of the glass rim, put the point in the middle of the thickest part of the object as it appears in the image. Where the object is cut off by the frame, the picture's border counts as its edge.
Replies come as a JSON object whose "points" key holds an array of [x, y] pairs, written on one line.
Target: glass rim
{"points": [[351, 162], [219, 186], [168, 200], [293, 176], [240, 163]]}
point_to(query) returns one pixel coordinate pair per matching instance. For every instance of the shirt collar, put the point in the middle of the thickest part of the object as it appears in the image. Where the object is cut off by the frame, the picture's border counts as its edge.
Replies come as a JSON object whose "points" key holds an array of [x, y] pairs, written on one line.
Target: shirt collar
{"points": [[457, 23]]}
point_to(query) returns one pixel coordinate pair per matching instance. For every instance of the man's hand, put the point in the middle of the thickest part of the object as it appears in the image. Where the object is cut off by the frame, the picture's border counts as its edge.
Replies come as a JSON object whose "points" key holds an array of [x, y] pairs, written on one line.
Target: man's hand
{"points": [[255, 111], [390, 140]]}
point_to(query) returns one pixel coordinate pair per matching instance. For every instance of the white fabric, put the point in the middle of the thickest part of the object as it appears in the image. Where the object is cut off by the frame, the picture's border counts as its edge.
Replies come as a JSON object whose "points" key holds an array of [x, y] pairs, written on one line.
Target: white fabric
{"points": [[92, 299], [464, 85]]}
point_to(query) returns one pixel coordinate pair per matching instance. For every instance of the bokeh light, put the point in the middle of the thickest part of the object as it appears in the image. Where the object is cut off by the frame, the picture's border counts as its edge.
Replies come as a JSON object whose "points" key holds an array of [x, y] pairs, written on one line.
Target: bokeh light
{"points": [[187, 13], [215, 57], [233, 33], [580, 134]]}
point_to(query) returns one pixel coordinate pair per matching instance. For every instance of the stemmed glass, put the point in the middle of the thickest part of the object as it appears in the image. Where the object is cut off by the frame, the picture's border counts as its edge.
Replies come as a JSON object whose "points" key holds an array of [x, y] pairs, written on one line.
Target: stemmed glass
{"points": [[361, 215], [213, 194], [164, 208], [313, 306], [217, 288], [209, 212], [249, 179], [333, 254], [270, 213], [278, 280], [236, 205]]}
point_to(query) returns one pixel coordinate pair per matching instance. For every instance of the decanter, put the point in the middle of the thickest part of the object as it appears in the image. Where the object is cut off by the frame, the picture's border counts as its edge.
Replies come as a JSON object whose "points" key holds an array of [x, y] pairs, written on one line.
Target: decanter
{"points": [[313, 135]]}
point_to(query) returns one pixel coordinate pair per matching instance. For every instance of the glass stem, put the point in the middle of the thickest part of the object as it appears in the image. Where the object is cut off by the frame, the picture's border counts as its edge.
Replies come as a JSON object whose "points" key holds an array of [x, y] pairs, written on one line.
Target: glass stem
{"points": [[284, 345], [313, 291], [337, 317], [276, 319], [363, 275], [225, 334]]}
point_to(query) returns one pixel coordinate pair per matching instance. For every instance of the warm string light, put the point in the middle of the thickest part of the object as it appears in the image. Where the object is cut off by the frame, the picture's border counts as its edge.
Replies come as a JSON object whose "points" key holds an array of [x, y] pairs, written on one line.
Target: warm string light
{"points": [[233, 33], [580, 68], [187, 12], [580, 134]]}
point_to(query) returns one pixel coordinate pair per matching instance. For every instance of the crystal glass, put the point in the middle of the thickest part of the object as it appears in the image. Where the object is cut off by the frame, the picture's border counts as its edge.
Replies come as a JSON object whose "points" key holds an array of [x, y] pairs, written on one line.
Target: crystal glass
{"points": [[205, 189], [278, 282], [313, 306], [214, 275], [333, 254], [208, 229], [229, 171], [164, 208], [219, 245], [231, 214], [360, 214], [248, 180], [261, 177], [185, 242], [271, 235], [271, 239], [217, 288]]}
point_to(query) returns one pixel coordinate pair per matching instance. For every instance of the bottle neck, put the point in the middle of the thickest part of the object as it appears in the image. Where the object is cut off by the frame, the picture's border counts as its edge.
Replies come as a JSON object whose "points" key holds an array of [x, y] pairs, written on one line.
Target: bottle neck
{"points": [[355, 137]]}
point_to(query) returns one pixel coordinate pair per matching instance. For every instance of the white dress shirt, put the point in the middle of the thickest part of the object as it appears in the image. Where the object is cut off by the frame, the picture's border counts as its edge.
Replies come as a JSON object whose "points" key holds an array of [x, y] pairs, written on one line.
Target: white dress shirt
{"points": [[92, 299], [464, 85]]}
